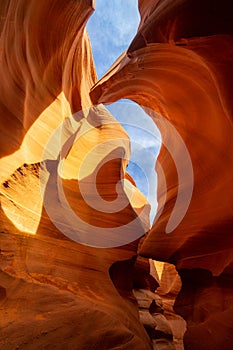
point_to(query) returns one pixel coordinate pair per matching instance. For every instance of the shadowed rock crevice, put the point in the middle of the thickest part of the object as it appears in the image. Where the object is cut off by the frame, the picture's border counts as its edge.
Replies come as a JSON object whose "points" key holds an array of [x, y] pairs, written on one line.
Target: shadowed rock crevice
{"points": [[180, 66], [59, 290]]}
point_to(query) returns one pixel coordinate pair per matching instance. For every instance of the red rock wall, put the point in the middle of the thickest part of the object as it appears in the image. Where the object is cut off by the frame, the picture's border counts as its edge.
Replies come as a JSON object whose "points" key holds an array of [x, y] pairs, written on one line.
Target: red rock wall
{"points": [[180, 65], [55, 292]]}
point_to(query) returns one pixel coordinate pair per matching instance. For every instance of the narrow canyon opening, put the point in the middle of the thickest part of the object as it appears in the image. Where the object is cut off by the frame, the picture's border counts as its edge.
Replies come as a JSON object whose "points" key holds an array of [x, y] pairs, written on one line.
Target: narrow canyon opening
{"points": [[111, 29], [77, 247], [155, 285]]}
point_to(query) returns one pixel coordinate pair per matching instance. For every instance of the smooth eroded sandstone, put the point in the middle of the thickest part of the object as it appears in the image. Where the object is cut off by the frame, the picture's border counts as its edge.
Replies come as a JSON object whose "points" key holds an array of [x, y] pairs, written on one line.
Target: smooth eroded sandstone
{"points": [[179, 68], [55, 284]]}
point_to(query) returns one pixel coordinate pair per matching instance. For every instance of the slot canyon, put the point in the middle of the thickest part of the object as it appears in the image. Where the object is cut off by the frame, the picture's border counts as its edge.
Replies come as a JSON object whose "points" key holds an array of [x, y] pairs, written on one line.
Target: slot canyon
{"points": [[81, 265]]}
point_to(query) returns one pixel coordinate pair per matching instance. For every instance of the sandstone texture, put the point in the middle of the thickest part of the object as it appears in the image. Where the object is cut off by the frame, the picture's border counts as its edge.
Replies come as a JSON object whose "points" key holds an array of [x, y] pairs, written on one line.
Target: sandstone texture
{"points": [[180, 65], [108, 280]]}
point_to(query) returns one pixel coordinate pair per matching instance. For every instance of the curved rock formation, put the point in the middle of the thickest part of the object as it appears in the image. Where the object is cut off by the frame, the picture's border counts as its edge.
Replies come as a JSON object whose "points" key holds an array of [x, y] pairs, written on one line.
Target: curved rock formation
{"points": [[55, 288], [63, 159], [180, 66], [40, 80]]}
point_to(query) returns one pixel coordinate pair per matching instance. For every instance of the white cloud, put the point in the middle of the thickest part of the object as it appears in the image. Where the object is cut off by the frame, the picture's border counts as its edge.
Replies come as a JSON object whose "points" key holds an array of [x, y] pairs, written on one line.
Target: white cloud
{"points": [[111, 29]]}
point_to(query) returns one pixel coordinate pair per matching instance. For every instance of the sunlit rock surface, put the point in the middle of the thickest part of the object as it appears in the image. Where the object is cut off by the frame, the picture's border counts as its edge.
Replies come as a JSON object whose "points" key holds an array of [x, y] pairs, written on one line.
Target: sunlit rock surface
{"points": [[180, 66], [57, 292], [54, 291]]}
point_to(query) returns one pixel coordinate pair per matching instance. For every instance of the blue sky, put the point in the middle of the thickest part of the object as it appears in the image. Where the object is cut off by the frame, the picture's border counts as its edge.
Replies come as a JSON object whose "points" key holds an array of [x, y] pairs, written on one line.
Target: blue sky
{"points": [[145, 145], [111, 28]]}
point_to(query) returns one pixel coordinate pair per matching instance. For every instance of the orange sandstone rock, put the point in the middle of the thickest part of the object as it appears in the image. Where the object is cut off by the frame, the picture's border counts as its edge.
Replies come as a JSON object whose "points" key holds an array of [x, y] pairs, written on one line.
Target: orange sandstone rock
{"points": [[179, 65], [55, 291]]}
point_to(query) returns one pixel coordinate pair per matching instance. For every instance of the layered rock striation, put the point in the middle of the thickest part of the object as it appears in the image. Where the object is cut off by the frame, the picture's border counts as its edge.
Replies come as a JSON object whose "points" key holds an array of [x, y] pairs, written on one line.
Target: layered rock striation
{"points": [[69, 283], [179, 65], [56, 290]]}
